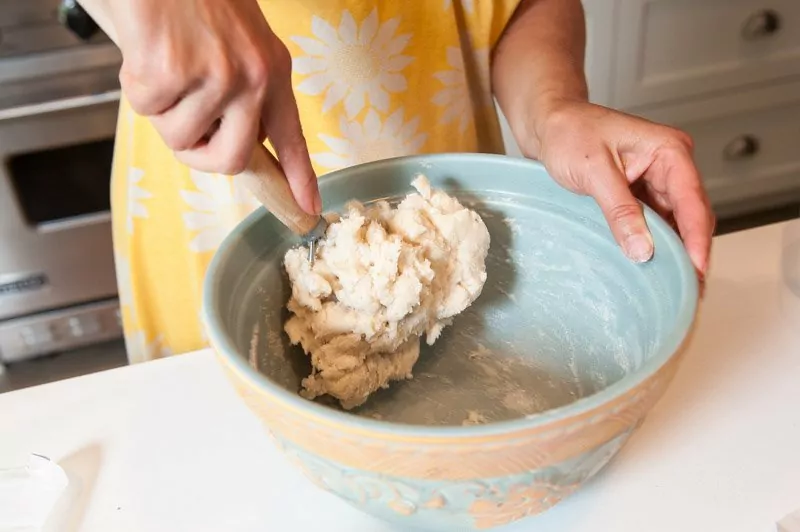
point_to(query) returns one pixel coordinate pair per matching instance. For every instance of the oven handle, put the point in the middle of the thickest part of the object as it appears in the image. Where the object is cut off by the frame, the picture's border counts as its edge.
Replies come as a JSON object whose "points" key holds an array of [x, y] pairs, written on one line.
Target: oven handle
{"points": [[53, 106]]}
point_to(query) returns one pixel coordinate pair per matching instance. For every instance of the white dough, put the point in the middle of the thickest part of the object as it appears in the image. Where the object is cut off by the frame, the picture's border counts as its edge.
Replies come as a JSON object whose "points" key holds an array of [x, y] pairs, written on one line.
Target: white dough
{"points": [[382, 278]]}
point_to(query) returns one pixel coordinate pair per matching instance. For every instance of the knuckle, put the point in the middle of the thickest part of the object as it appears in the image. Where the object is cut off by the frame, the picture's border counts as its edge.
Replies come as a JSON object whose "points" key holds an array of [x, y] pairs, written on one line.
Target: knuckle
{"points": [[149, 85], [624, 211], [265, 65], [689, 140], [685, 139], [223, 72], [224, 78], [143, 103], [257, 72], [134, 68], [176, 138], [235, 162], [138, 94], [679, 139]]}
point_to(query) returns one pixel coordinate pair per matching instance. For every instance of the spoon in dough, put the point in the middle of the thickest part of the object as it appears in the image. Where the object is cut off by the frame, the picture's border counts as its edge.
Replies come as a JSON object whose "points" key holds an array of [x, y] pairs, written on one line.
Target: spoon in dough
{"points": [[265, 179]]}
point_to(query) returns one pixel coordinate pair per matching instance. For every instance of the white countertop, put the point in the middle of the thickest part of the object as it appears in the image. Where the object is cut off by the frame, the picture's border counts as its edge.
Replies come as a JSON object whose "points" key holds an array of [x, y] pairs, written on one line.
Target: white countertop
{"points": [[168, 446]]}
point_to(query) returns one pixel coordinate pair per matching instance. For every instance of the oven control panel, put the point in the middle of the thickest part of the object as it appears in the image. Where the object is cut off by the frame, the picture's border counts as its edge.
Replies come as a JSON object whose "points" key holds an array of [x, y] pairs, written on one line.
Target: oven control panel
{"points": [[59, 330]]}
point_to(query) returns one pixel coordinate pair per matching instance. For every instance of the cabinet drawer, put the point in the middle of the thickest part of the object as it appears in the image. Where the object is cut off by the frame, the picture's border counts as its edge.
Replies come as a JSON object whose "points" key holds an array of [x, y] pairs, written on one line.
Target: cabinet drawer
{"points": [[673, 49], [747, 144], [20, 40], [24, 12]]}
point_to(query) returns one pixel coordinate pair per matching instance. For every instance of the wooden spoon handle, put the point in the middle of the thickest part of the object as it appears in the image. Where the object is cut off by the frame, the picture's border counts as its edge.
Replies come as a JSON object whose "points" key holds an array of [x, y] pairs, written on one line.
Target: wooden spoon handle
{"points": [[264, 177]]}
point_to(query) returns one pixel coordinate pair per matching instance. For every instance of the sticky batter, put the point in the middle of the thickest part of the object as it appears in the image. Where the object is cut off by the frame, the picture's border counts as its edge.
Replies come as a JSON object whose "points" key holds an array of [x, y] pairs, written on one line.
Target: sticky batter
{"points": [[383, 278]]}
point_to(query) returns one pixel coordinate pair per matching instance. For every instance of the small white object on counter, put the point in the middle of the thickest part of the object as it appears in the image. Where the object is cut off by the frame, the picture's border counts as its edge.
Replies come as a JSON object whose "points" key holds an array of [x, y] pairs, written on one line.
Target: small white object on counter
{"points": [[29, 492], [168, 446], [790, 523]]}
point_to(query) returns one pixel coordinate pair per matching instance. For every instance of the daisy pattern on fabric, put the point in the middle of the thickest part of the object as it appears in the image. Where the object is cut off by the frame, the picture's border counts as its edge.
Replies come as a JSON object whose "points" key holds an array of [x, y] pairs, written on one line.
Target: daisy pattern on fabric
{"points": [[140, 350], [123, 272], [136, 209], [469, 5], [455, 97], [352, 62], [371, 141], [218, 204]]}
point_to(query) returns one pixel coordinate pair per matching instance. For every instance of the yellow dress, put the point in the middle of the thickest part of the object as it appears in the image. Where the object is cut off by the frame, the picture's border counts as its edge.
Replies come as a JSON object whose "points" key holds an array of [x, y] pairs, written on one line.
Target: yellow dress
{"points": [[373, 79]]}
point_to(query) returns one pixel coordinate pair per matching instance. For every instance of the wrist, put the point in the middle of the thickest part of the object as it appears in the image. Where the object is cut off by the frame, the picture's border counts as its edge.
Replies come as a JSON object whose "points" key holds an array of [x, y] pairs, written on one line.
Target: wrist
{"points": [[546, 112]]}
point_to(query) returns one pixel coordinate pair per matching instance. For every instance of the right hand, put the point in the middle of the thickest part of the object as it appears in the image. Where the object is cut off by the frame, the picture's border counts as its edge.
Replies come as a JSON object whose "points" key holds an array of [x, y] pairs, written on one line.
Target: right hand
{"points": [[214, 79]]}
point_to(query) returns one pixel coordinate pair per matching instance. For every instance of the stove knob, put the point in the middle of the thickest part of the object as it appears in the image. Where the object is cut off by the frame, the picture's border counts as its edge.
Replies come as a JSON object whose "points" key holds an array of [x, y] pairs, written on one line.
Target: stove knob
{"points": [[74, 17]]}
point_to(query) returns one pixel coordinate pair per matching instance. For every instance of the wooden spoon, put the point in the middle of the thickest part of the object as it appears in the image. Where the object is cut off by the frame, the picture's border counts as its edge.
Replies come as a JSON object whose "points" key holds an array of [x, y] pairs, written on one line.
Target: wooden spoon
{"points": [[265, 178]]}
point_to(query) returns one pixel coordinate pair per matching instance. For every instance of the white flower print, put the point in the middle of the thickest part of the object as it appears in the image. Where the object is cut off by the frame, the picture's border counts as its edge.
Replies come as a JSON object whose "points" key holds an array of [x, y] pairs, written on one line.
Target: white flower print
{"points": [[140, 350], [371, 141], [469, 5], [455, 97], [352, 63], [136, 209], [218, 204], [123, 272]]}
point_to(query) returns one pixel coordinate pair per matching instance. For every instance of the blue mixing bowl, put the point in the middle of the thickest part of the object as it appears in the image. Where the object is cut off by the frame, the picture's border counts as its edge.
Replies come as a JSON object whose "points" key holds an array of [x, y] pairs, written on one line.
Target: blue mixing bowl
{"points": [[524, 398]]}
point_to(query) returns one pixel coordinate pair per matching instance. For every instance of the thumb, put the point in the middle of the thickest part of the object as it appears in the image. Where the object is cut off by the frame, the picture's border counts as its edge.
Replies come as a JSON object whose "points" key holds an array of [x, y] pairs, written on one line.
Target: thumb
{"points": [[282, 124], [622, 211]]}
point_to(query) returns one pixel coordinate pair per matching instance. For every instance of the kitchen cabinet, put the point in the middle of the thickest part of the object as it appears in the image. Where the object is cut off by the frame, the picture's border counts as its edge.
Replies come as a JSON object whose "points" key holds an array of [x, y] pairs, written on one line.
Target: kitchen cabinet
{"points": [[725, 71], [671, 49], [747, 144]]}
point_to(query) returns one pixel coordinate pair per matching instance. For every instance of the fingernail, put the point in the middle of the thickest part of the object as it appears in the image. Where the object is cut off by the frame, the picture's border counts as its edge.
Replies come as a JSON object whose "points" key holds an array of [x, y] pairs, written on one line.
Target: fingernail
{"points": [[639, 247]]}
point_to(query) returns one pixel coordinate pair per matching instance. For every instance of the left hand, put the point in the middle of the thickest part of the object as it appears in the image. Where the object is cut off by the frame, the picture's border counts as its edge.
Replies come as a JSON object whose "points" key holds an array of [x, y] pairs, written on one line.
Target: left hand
{"points": [[614, 158]]}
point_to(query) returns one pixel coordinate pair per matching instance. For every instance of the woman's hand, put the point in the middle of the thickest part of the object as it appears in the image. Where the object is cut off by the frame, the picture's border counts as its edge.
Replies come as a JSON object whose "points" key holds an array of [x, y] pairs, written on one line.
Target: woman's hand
{"points": [[538, 78], [614, 157], [214, 80]]}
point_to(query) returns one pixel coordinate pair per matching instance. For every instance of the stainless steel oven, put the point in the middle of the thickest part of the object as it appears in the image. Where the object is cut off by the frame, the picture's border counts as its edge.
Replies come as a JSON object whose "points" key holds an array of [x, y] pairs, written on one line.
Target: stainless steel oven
{"points": [[59, 97]]}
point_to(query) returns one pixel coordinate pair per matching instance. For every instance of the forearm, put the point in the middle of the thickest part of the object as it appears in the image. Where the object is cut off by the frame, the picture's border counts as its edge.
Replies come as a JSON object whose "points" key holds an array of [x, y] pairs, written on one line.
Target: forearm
{"points": [[538, 63]]}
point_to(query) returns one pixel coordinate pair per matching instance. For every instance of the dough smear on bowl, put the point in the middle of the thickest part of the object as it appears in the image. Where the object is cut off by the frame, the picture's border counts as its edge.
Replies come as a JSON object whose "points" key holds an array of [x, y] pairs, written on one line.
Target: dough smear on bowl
{"points": [[382, 278]]}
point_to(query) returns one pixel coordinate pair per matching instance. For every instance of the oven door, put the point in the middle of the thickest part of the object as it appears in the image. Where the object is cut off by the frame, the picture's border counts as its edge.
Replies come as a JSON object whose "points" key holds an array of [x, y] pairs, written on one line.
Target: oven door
{"points": [[55, 231]]}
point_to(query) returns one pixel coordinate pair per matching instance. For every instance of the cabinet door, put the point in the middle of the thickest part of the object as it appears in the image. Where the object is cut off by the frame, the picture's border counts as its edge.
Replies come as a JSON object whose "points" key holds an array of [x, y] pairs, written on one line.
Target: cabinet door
{"points": [[601, 20], [672, 49]]}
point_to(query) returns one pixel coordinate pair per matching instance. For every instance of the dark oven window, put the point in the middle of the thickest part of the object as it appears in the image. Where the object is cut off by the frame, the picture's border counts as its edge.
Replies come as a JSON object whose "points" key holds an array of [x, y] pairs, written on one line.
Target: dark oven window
{"points": [[63, 182]]}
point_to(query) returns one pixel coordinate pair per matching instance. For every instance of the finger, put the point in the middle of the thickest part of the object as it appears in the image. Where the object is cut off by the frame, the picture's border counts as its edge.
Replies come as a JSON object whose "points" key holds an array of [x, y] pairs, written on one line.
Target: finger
{"points": [[701, 279], [191, 119], [282, 123], [228, 151], [151, 93], [691, 206], [657, 200], [609, 188]]}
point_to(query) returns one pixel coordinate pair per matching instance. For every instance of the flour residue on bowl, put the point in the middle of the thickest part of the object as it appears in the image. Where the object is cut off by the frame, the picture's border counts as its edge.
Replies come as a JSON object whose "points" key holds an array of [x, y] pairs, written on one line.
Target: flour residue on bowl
{"points": [[553, 324]]}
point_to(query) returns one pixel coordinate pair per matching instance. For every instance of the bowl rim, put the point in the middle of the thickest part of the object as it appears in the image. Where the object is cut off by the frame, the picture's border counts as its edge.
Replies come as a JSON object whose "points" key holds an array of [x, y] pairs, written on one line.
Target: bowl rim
{"points": [[224, 346]]}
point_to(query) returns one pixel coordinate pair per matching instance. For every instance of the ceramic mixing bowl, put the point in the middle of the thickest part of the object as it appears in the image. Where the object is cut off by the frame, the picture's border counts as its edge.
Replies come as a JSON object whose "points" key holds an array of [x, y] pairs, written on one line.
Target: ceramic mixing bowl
{"points": [[523, 399]]}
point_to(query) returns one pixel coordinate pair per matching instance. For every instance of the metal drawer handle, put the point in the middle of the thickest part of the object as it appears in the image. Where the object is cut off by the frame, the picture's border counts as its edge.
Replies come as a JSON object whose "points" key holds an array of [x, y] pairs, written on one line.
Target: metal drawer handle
{"points": [[66, 104], [761, 24], [742, 147]]}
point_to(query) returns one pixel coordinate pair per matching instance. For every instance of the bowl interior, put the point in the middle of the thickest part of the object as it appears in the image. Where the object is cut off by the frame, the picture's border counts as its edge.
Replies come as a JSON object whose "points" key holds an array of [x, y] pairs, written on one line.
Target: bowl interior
{"points": [[563, 314]]}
